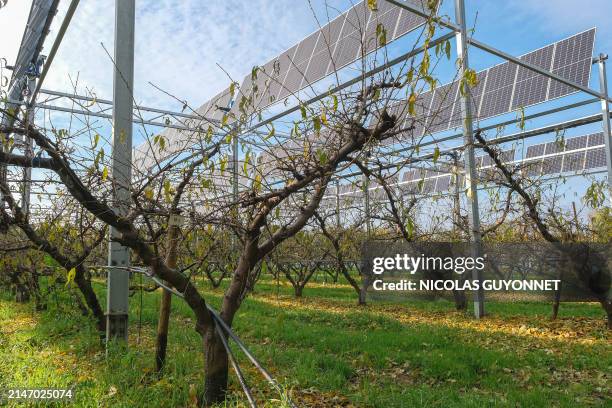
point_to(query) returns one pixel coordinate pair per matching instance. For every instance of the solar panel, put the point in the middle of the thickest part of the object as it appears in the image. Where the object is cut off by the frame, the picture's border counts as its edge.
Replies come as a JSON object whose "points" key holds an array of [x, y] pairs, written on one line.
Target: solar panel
{"points": [[573, 161], [535, 151], [573, 59], [596, 139], [595, 158], [387, 19], [498, 90], [575, 143], [443, 184], [421, 109], [552, 165], [408, 21], [530, 86], [476, 94], [553, 147], [441, 108]]}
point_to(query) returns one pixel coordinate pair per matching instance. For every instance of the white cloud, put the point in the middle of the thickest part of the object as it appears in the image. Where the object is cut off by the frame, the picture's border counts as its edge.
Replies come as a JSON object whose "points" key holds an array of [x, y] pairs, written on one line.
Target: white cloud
{"points": [[13, 18], [178, 45]]}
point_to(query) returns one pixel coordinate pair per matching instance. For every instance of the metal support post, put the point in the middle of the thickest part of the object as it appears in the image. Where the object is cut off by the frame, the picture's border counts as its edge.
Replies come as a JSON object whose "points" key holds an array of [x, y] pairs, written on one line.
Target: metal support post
{"points": [[605, 111], [123, 79], [470, 168], [456, 196], [28, 149]]}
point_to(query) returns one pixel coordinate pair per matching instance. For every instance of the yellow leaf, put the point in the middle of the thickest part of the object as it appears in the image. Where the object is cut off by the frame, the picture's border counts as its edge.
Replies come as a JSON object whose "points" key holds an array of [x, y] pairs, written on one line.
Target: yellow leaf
{"points": [[324, 117], [149, 193], [105, 173], [70, 277], [411, 103]]}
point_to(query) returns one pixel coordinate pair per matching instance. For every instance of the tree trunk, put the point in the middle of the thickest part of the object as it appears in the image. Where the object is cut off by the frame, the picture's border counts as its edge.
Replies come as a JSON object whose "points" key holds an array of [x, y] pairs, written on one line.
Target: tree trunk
{"points": [[216, 359], [460, 300], [216, 366], [161, 342], [298, 290], [363, 291], [22, 295], [91, 299]]}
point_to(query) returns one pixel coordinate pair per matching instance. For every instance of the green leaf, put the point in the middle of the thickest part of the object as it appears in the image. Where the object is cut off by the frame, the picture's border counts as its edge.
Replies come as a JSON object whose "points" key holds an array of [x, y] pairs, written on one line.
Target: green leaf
{"points": [[303, 111], [316, 122], [254, 73], [245, 167], [257, 183], [381, 35], [104, 173], [436, 154], [424, 66], [96, 140], [167, 191], [322, 156], [410, 227], [270, 133]]}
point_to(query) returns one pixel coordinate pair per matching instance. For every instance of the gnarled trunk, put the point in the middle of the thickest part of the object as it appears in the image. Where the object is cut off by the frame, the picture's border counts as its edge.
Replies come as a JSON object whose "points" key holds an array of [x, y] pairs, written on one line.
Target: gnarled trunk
{"points": [[216, 366], [91, 299]]}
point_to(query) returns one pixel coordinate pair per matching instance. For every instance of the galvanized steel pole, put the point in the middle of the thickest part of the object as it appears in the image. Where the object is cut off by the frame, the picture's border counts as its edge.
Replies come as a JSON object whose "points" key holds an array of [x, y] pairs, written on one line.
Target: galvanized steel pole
{"points": [[123, 79], [470, 167]]}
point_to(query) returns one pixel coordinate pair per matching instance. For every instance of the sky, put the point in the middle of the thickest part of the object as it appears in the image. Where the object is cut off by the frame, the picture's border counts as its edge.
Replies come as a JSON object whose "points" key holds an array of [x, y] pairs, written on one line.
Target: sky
{"points": [[181, 46]]}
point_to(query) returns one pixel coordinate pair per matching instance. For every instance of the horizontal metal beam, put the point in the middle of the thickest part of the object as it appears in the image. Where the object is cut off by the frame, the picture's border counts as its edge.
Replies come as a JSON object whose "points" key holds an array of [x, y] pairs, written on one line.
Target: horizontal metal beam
{"points": [[110, 103], [497, 125]]}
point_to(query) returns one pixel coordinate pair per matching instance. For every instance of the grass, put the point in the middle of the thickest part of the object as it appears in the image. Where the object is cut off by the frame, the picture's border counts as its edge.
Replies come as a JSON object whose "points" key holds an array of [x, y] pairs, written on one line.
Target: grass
{"points": [[325, 351]]}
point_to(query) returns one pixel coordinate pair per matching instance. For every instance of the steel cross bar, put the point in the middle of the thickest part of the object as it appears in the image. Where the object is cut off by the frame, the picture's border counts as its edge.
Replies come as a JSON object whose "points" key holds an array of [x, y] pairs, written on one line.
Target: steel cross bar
{"points": [[109, 102]]}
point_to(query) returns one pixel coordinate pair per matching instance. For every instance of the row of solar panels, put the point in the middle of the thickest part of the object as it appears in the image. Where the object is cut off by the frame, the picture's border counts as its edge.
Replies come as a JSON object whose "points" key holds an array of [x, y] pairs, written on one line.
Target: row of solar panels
{"points": [[576, 154], [337, 44], [342, 41], [504, 88], [500, 89]]}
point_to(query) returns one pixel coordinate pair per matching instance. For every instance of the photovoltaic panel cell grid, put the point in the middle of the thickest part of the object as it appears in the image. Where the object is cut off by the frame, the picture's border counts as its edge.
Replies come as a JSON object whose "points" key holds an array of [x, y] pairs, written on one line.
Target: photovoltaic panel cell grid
{"points": [[579, 153], [574, 154], [335, 45], [506, 87]]}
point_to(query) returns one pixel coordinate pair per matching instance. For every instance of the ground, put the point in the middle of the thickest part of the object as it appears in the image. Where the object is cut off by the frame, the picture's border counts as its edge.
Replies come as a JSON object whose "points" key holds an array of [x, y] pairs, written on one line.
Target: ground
{"points": [[325, 351]]}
